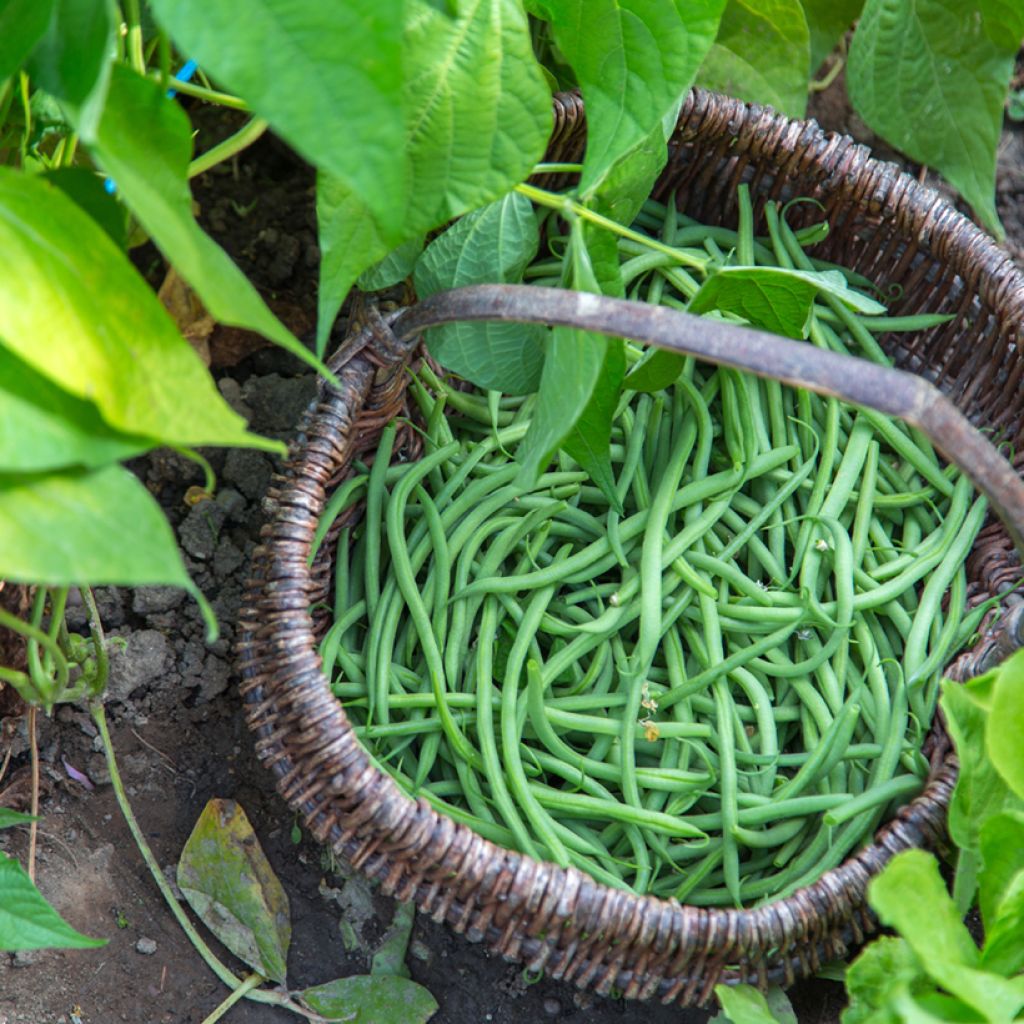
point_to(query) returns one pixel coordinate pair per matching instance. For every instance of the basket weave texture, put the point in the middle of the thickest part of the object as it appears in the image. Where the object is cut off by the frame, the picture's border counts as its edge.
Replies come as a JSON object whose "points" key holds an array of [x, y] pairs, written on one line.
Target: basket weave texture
{"points": [[884, 225]]}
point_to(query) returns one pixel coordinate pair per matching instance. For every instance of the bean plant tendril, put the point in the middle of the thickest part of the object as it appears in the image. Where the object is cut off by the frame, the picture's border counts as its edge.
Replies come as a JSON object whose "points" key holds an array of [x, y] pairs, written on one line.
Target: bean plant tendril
{"points": [[712, 688]]}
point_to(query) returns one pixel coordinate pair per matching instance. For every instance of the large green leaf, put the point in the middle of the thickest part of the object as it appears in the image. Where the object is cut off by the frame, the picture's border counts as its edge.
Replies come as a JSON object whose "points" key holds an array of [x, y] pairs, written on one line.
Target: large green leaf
{"points": [[490, 245], [477, 118], [762, 54], [44, 427], [27, 921], [85, 526], [633, 60], [1005, 733], [931, 78], [572, 387], [827, 22], [773, 298], [589, 441], [376, 998], [228, 882], [89, 191], [572, 367], [327, 76], [72, 60], [22, 24], [77, 312], [144, 142]]}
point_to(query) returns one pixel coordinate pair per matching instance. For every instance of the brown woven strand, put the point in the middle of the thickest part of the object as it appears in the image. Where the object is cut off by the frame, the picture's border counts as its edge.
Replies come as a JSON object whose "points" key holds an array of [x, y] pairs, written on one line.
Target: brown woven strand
{"points": [[559, 920]]}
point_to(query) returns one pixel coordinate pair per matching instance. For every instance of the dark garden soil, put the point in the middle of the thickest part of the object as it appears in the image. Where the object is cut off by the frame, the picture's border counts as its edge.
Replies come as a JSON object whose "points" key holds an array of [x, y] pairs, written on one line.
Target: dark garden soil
{"points": [[178, 727]]}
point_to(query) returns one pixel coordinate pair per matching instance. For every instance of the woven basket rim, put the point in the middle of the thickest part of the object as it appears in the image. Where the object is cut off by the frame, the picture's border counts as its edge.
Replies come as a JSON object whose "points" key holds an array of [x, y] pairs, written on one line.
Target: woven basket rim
{"points": [[553, 916]]}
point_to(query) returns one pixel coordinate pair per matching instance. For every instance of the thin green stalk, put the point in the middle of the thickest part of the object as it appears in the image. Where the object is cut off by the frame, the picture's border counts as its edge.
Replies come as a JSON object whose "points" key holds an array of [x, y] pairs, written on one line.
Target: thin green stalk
{"points": [[242, 139], [222, 99], [99, 642], [252, 982], [209, 477], [223, 973], [544, 168], [570, 207], [133, 16]]}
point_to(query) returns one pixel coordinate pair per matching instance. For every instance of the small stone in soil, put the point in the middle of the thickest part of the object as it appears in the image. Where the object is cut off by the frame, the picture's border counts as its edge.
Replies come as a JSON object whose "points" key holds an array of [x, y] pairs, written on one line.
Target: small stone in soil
{"points": [[147, 947], [149, 600], [144, 659], [552, 1007]]}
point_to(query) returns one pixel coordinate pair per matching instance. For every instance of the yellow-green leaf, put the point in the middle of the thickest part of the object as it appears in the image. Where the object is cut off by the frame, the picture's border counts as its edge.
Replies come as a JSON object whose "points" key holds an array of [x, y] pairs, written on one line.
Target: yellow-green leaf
{"points": [[76, 311], [228, 882]]}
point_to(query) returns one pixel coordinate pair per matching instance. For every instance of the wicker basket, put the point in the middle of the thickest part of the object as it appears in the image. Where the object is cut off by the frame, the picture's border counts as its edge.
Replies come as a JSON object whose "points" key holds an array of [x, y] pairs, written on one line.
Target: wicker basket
{"points": [[885, 226]]}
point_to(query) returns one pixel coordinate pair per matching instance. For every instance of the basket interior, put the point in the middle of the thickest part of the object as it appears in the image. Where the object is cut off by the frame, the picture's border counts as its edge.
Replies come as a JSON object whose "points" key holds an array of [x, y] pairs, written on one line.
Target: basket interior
{"points": [[924, 258]]}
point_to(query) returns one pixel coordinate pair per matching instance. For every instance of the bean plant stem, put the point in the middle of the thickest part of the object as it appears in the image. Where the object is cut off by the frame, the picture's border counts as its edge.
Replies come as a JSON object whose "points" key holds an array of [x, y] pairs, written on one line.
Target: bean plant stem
{"points": [[222, 99], [233, 144], [566, 205], [252, 982], [33, 829], [281, 999], [133, 16]]}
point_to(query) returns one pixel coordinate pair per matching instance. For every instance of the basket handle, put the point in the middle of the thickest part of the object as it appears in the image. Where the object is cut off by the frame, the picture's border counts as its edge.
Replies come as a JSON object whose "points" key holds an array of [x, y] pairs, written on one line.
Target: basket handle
{"points": [[894, 392]]}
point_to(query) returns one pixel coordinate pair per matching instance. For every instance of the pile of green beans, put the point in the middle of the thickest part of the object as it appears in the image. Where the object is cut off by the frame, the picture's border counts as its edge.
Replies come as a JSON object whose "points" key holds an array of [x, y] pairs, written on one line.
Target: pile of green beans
{"points": [[713, 694]]}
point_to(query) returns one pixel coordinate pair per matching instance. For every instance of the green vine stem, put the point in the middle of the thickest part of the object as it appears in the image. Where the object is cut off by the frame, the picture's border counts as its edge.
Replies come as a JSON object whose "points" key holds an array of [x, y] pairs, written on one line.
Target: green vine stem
{"points": [[568, 206], [225, 975], [252, 982], [222, 99], [99, 642], [233, 144]]}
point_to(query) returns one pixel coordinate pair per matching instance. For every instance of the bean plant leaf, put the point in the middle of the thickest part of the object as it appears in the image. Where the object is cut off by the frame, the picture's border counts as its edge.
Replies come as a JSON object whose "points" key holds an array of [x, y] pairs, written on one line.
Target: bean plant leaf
{"points": [[477, 119], [572, 366], [931, 78], [22, 25], [888, 965], [44, 427], [27, 921], [9, 818], [328, 77], [589, 441], [73, 59], [1001, 893], [389, 959], [775, 299], [395, 267], [490, 245], [657, 372], [762, 54], [351, 241], [77, 312], [144, 142], [633, 59], [744, 1004], [381, 998], [228, 882], [100, 525], [86, 188], [1004, 734], [827, 22]]}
